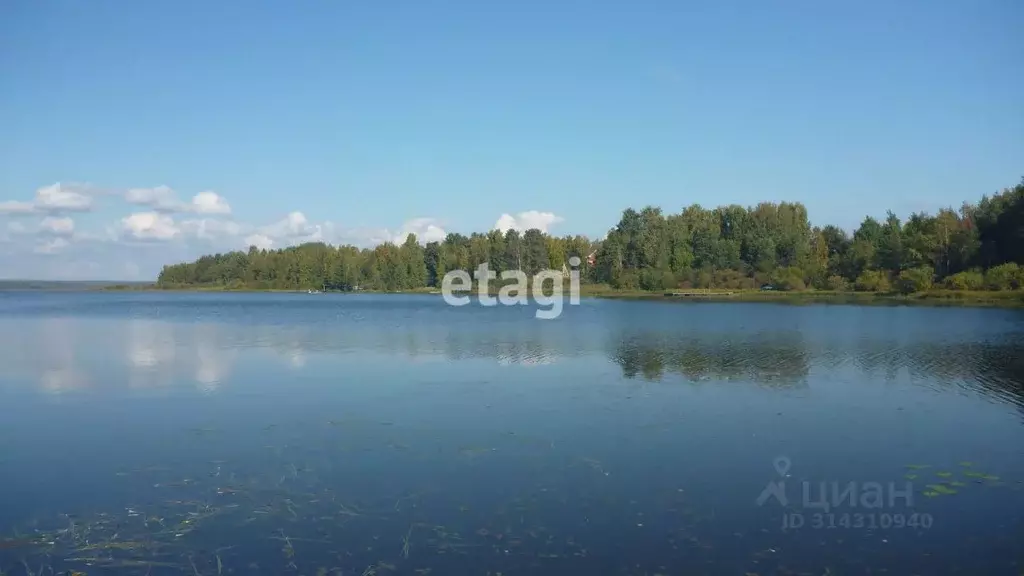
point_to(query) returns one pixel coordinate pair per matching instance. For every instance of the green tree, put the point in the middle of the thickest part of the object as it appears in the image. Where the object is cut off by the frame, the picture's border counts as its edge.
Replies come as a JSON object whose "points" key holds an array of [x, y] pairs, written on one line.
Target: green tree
{"points": [[978, 246], [966, 280], [873, 281], [535, 252], [1007, 276], [513, 250], [497, 251], [916, 279], [413, 259], [434, 261]]}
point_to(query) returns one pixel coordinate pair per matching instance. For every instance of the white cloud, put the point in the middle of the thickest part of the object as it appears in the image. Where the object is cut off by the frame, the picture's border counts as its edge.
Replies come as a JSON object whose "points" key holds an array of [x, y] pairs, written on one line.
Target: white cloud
{"points": [[16, 207], [58, 198], [165, 199], [526, 220], [296, 229], [366, 237], [57, 226], [211, 229], [210, 203], [51, 246], [54, 198], [158, 198], [291, 230], [50, 236], [425, 229], [260, 241], [150, 226], [172, 231], [293, 225], [110, 233]]}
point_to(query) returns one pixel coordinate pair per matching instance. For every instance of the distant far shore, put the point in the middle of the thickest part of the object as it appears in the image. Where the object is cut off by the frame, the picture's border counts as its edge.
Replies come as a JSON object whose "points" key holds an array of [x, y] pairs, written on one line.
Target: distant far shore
{"points": [[991, 298], [71, 285], [938, 297]]}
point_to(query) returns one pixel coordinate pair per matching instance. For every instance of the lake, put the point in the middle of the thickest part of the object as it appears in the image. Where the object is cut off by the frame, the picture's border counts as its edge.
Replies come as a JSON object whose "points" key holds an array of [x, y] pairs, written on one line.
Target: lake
{"points": [[202, 434]]}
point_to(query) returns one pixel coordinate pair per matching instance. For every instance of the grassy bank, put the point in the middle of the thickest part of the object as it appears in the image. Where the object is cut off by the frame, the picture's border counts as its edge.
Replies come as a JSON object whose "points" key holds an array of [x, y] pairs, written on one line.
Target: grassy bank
{"points": [[1003, 299]]}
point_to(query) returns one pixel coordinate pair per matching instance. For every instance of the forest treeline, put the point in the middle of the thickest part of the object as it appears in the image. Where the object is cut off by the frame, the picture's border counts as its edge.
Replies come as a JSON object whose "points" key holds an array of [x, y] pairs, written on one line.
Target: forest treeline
{"points": [[978, 246]]}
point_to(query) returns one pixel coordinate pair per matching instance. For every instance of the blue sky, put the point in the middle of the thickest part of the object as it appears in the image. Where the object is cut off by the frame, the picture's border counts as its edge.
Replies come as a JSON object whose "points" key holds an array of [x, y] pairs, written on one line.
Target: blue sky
{"points": [[358, 121]]}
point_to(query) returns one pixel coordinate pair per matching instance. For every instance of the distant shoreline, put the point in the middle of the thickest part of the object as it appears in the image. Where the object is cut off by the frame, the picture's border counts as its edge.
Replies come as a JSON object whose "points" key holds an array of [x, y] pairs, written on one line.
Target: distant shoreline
{"points": [[999, 299], [70, 285]]}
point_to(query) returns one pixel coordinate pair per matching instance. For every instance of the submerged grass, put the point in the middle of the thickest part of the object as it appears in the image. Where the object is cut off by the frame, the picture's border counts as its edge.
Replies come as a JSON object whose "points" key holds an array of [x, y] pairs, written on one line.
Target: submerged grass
{"points": [[219, 521]]}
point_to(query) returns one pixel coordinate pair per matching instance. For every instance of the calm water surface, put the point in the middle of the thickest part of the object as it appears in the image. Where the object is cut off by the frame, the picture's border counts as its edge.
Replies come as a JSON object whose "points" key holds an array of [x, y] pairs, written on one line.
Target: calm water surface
{"points": [[335, 434]]}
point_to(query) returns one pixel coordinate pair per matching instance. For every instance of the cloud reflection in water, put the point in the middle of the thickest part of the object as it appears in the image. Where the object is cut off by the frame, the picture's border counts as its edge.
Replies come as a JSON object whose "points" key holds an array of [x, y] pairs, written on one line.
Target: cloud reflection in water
{"points": [[760, 346]]}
